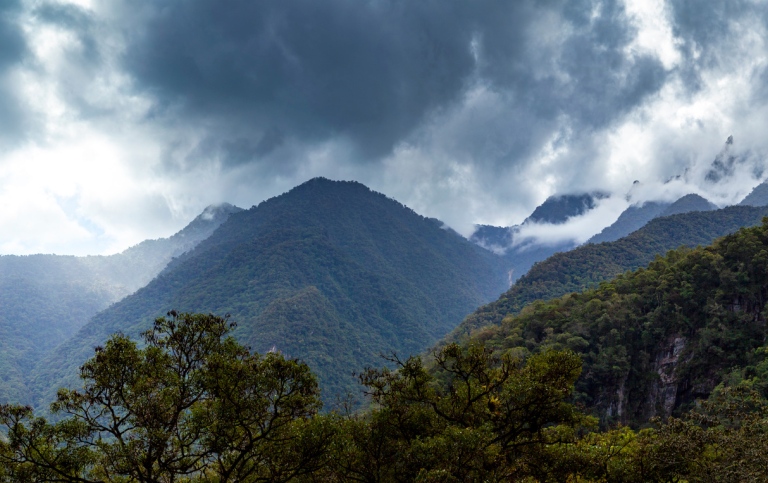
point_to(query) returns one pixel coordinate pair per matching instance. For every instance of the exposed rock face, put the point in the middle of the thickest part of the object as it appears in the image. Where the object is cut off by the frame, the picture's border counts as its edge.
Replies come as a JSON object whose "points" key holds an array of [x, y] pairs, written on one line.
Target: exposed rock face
{"points": [[663, 394], [666, 389]]}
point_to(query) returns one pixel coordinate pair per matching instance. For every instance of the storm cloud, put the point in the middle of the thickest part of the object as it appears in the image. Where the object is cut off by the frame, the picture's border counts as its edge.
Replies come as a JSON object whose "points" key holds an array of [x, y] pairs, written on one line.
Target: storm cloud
{"points": [[471, 112], [372, 72]]}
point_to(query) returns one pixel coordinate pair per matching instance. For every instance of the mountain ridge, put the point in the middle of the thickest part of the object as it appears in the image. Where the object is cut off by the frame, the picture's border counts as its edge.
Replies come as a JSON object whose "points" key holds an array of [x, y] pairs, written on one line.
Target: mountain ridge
{"points": [[590, 264], [47, 298], [377, 278]]}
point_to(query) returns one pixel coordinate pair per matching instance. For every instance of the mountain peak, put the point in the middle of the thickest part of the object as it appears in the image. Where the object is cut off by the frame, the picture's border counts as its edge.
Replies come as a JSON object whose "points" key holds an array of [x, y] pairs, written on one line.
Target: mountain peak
{"points": [[216, 211], [557, 209], [688, 203], [321, 182]]}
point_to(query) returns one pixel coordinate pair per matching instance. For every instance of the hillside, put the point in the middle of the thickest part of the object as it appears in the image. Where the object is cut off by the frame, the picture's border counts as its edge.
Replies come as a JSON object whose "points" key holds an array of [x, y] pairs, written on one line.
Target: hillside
{"points": [[588, 265], [655, 340], [47, 298], [757, 197], [687, 204], [637, 216], [630, 220], [330, 272], [519, 253]]}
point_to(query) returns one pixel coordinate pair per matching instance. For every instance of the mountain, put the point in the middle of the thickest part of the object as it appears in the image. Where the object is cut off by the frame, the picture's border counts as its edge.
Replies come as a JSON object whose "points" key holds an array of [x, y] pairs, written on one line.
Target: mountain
{"points": [[631, 219], [687, 204], [330, 272], [47, 298], [518, 259], [588, 265], [557, 209], [497, 239], [757, 197], [636, 216], [656, 340], [521, 253]]}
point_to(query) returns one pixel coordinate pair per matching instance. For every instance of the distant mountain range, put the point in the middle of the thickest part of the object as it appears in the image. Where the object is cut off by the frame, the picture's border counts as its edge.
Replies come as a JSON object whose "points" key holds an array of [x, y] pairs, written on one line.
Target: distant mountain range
{"points": [[45, 299], [632, 219], [590, 264], [758, 196], [521, 254], [558, 209], [330, 272]]}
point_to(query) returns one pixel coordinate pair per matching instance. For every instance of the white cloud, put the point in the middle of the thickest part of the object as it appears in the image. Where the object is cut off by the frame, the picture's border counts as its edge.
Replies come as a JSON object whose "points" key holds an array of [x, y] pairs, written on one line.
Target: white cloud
{"points": [[577, 229], [654, 31]]}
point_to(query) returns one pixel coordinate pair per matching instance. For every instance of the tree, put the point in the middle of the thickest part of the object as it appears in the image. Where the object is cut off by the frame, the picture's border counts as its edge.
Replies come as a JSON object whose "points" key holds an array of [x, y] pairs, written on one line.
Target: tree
{"points": [[191, 405], [474, 416]]}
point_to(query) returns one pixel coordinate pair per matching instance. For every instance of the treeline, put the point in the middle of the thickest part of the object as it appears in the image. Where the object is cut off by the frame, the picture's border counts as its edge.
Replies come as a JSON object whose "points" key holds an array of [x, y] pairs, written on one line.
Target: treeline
{"points": [[192, 405]]}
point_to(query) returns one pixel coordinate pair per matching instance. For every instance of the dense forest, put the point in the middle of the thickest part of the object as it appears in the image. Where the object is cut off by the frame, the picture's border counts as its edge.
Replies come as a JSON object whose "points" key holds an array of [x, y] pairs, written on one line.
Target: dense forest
{"points": [[588, 265], [331, 272], [656, 340], [47, 298], [190, 404]]}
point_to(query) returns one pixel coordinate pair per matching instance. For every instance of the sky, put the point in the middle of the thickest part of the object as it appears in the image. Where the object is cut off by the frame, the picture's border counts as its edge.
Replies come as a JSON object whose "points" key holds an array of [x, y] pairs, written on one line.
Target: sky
{"points": [[121, 120]]}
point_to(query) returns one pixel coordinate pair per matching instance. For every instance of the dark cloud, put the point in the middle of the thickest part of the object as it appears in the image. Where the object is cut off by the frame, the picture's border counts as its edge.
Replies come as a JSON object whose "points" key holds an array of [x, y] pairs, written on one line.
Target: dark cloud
{"points": [[13, 50], [368, 70], [709, 32], [12, 44], [373, 71]]}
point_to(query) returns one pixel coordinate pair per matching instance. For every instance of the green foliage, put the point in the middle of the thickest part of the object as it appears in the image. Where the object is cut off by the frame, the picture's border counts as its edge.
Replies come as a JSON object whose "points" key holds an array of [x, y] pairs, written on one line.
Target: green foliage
{"points": [[330, 272], [477, 417], [47, 298], [655, 340], [192, 405], [589, 265]]}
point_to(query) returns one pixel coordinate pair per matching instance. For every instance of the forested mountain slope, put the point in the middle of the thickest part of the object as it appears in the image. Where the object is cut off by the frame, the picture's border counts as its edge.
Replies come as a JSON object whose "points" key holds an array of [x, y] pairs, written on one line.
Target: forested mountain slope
{"points": [[687, 204], [654, 340], [758, 196], [637, 216], [630, 220], [45, 299], [590, 264], [330, 272]]}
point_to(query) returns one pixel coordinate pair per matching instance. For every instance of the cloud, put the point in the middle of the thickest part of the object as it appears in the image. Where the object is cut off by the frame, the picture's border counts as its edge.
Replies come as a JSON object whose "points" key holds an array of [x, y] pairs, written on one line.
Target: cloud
{"points": [[471, 112], [576, 230], [13, 48], [367, 70], [374, 72]]}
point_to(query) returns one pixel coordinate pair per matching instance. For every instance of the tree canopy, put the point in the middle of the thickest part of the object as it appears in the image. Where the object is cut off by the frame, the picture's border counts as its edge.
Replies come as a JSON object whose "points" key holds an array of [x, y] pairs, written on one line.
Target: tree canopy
{"points": [[190, 403]]}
